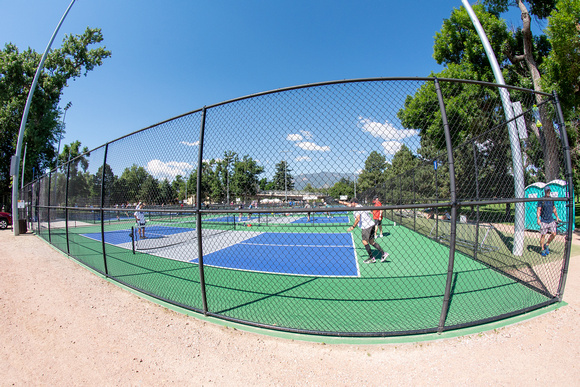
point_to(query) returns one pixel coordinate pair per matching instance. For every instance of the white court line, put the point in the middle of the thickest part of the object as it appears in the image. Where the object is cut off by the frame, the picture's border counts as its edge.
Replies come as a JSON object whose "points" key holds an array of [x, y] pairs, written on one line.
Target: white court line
{"points": [[269, 244]]}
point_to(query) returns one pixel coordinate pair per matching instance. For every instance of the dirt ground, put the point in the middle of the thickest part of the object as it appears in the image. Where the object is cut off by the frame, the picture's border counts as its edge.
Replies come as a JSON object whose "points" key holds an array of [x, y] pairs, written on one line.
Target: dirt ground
{"points": [[62, 325]]}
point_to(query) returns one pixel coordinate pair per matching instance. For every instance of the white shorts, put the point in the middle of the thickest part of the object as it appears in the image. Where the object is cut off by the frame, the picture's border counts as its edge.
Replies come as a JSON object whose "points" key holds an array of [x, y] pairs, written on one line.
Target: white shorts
{"points": [[547, 228]]}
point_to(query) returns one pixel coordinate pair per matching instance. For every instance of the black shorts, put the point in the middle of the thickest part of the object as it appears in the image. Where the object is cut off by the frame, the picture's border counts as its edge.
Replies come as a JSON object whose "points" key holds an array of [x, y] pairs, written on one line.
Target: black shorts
{"points": [[378, 222], [368, 234]]}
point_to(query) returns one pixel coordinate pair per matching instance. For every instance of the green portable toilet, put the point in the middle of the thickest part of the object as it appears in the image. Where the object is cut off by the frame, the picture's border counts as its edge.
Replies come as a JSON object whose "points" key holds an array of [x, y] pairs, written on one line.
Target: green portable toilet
{"points": [[535, 190], [558, 190]]}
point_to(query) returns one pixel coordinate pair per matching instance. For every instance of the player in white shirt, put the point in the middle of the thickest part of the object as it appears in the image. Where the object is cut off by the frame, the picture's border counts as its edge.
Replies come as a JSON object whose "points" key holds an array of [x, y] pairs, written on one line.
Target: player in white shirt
{"points": [[367, 225], [140, 219]]}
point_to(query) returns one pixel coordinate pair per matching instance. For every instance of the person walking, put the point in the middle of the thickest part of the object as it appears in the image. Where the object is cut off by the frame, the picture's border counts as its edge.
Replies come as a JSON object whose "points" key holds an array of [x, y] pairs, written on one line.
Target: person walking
{"points": [[546, 212], [365, 222]]}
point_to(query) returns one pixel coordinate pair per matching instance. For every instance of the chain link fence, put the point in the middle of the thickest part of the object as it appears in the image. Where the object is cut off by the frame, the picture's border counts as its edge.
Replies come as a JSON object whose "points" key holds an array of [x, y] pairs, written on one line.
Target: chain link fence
{"points": [[242, 210]]}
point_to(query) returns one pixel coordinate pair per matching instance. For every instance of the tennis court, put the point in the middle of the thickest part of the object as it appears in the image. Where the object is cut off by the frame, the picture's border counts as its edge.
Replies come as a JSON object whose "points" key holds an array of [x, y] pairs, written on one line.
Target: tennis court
{"points": [[280, 273], [239, 249]]}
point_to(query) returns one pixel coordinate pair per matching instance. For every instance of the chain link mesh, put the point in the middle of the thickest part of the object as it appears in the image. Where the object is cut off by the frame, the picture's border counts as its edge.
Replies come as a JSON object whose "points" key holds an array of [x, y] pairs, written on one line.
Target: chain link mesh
{"points": [[262, 235]]}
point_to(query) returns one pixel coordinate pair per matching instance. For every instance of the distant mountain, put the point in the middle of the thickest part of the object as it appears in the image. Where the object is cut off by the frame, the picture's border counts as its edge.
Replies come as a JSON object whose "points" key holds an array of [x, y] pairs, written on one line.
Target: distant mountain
{"points": [[319, 180]]}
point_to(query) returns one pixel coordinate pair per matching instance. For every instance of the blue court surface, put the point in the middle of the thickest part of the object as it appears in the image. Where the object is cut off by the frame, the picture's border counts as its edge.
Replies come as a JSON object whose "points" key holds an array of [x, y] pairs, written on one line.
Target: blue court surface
{"points": [[313, 254], [317, 254]]}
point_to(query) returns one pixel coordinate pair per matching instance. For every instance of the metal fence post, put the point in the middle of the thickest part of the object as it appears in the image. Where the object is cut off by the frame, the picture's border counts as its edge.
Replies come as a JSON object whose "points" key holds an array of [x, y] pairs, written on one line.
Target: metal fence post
{"points": [[452, 194], [66, 207], [37, 206], [47, 208], [103, 211], [198, 212], [476, 198], [436, 201], [570, 190], [414, 201]]}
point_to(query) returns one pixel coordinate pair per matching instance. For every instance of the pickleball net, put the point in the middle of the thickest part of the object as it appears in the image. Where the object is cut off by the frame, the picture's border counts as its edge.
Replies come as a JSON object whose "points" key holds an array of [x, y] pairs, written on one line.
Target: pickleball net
{"points": [[164, 230]]}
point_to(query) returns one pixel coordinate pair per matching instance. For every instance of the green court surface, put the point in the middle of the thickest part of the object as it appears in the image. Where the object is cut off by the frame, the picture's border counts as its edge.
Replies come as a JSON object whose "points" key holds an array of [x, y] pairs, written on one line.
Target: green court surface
{"points": [[403, 295]]}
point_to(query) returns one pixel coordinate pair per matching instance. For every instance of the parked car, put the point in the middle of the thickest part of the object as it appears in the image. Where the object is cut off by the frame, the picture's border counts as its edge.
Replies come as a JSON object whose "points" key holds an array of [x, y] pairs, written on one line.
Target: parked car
{"points": [[5, 220]]}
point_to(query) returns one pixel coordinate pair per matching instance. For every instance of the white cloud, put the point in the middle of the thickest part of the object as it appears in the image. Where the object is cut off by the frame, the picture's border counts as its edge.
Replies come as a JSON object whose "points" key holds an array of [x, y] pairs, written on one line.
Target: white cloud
{"points": [[313, 147], [294, 137], [190, 143], [385, 131], [391, 147], [303, 158], [306, 145], [160, 170]]}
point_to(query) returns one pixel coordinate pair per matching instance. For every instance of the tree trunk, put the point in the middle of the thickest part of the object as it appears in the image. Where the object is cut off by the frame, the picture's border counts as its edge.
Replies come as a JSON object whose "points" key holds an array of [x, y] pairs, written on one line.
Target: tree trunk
{"points": [[550, 145]]}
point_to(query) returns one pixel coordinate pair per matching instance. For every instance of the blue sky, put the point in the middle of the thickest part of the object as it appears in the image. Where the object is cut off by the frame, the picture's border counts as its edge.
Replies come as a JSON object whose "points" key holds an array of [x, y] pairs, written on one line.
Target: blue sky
{"points": [[171, 57]]}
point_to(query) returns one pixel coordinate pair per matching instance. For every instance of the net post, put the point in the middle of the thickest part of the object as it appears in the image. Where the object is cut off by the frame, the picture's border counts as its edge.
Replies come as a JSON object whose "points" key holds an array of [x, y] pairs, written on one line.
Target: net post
{"points": [[133, 239], [453, 230]]}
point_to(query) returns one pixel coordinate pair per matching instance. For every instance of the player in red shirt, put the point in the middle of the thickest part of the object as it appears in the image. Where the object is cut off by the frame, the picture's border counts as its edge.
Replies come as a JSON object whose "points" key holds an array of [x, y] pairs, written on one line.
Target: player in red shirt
{"points": [[378, 218]]}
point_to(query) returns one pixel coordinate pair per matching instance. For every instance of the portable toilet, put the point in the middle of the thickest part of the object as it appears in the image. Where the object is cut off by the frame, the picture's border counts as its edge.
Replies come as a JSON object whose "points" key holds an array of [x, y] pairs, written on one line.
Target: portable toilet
{"points": [[535, 190], [558, 190]]}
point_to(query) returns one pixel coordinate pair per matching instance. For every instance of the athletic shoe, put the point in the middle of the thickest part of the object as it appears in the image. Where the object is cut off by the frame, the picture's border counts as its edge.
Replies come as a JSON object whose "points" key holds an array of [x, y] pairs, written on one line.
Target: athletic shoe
{"points": [[370, 260], [384, 258], [543, 253], [381, 235], [547, 249]]}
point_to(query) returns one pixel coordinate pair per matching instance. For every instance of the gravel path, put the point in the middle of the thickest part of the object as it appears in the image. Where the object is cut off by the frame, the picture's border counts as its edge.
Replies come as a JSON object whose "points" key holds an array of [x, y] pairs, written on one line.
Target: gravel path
{"points": [[62, 325]]}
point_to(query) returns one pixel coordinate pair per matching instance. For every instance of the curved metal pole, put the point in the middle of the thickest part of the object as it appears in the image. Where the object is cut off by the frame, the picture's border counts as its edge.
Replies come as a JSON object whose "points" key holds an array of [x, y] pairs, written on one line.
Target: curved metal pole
{"points": [[517, 164], [16, 160]]}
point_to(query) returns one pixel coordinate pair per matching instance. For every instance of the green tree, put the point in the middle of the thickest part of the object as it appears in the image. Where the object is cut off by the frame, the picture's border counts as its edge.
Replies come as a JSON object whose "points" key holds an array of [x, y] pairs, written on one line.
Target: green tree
{"points": [[342, 187], [215, 178], [211, 184], [475, 109], [225, 172], [131, 181], [373, 174], [110, 180], [149, 190], [17, 69], [178, 186], [562, 71], [526, 59], [167, 194], [80, 183], [246, 177], [283, 179], [266, 185], [562, 66]]}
